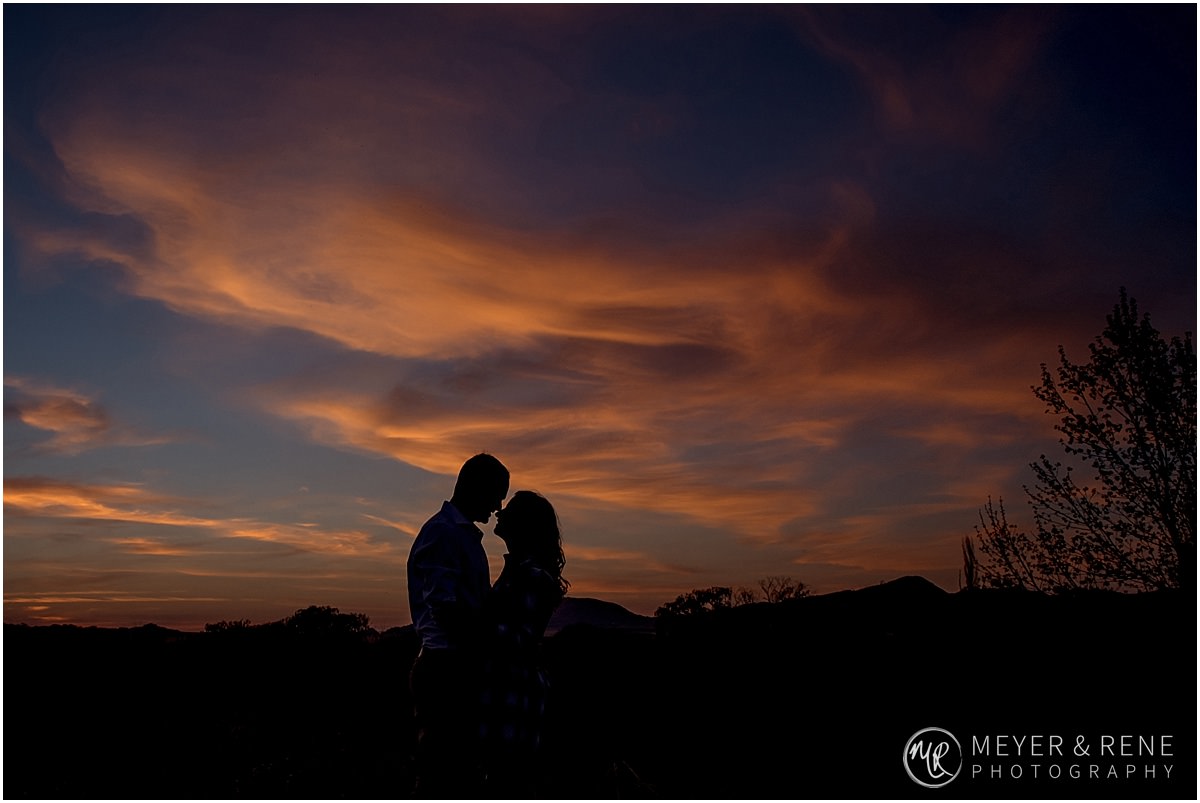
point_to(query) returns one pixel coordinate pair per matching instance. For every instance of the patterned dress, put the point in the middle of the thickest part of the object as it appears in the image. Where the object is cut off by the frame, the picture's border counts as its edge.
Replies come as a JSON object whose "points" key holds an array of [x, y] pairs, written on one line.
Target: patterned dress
{"points": [[514, 691]]}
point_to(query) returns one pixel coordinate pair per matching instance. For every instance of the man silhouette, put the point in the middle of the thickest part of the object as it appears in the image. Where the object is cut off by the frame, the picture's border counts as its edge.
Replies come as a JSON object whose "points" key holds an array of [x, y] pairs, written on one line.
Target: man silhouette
{"points": [[448, 581]]}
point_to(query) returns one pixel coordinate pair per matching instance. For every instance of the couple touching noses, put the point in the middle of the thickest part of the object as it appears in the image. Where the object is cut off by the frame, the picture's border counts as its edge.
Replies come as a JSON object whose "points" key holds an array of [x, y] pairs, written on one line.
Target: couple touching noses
{"points": [[478, 691]]}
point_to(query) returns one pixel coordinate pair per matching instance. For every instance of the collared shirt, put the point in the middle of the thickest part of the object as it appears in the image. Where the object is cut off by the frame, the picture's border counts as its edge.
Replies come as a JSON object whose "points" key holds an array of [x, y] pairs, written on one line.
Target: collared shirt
{"points": [[447, 569]]}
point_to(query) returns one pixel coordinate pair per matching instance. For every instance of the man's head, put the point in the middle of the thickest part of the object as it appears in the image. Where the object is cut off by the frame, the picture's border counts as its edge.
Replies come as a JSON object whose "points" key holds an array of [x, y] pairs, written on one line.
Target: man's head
{"points": [[481, 487]]}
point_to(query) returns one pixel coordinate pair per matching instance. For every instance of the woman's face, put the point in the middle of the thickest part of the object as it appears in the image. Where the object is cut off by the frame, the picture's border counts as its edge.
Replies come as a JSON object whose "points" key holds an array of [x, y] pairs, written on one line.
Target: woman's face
{"points": [[508, 522], [525, 523]]}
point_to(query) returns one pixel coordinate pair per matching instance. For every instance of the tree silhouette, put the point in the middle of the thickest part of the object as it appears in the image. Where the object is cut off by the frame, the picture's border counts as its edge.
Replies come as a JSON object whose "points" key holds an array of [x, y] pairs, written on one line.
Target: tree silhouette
{"points": [[743, 596], [705, 600], [224, 626], [1128, 414], [325, 621], [778, 589], [700, 600]]}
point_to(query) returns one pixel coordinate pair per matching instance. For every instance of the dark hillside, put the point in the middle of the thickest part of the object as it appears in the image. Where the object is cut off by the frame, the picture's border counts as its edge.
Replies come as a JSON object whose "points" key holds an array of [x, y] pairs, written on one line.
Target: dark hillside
{"points": [[814, 697], [817, 696]]}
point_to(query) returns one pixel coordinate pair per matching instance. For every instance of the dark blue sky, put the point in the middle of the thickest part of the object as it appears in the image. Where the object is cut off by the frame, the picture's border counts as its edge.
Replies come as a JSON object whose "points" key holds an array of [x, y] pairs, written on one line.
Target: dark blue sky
{"points": [[744, 290]]}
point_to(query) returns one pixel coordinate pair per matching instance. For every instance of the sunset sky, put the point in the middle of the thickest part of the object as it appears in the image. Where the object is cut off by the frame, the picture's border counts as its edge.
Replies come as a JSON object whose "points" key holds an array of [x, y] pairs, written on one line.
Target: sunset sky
{"points": [[743, 290]]}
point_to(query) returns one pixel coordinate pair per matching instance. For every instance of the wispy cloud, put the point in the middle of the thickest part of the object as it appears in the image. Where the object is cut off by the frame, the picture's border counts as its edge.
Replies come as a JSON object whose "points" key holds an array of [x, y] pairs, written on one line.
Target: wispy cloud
{"points": [[955, 90], [99, 596], [77, 422], [131, 504], [58, 499]]}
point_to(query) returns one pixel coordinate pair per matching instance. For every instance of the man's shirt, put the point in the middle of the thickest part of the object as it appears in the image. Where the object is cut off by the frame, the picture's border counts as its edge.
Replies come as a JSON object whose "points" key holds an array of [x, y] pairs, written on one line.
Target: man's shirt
{"points": [[447, 571]]}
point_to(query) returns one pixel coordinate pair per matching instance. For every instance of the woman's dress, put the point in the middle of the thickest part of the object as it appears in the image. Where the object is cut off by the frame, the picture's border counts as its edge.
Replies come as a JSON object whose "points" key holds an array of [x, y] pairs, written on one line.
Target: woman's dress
{"points": [[515, 687]]}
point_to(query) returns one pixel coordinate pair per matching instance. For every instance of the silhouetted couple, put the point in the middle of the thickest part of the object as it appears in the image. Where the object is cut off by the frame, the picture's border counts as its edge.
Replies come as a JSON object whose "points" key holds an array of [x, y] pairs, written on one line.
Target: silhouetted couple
{"points": [[478, 691]]}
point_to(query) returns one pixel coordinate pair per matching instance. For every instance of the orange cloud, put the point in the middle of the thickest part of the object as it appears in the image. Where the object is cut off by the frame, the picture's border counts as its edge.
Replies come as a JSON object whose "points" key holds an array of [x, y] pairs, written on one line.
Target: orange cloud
{"points": [[42, 498], [310, 539], [591, 460], [77, 421], [738, 454], [99, 596], [55, 499], [407, 528], [151, 546]]}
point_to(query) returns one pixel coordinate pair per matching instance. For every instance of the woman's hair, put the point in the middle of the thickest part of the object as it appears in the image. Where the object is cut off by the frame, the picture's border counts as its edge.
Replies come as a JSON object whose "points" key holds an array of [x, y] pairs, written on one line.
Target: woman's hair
{"points": [[532, 515]]}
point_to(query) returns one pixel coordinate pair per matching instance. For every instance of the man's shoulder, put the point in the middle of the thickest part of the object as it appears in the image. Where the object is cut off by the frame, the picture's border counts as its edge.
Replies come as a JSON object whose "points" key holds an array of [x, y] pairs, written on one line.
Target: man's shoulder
{"points": [[447, 521], [447, 514]]}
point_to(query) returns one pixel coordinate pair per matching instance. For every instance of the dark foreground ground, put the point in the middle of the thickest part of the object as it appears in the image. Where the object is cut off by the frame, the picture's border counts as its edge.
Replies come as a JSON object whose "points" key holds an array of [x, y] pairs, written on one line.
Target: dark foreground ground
{"points": [[812, 698]]}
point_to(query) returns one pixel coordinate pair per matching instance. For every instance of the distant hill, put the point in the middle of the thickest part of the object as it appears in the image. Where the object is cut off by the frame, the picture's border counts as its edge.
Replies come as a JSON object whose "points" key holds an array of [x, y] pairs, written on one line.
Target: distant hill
{"points": [[908, 587], [597, 613]]}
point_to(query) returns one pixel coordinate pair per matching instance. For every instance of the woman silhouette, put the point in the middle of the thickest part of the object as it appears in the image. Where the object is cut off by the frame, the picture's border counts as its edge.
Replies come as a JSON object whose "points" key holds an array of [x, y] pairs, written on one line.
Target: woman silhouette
{"points": [[518, 609]]}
